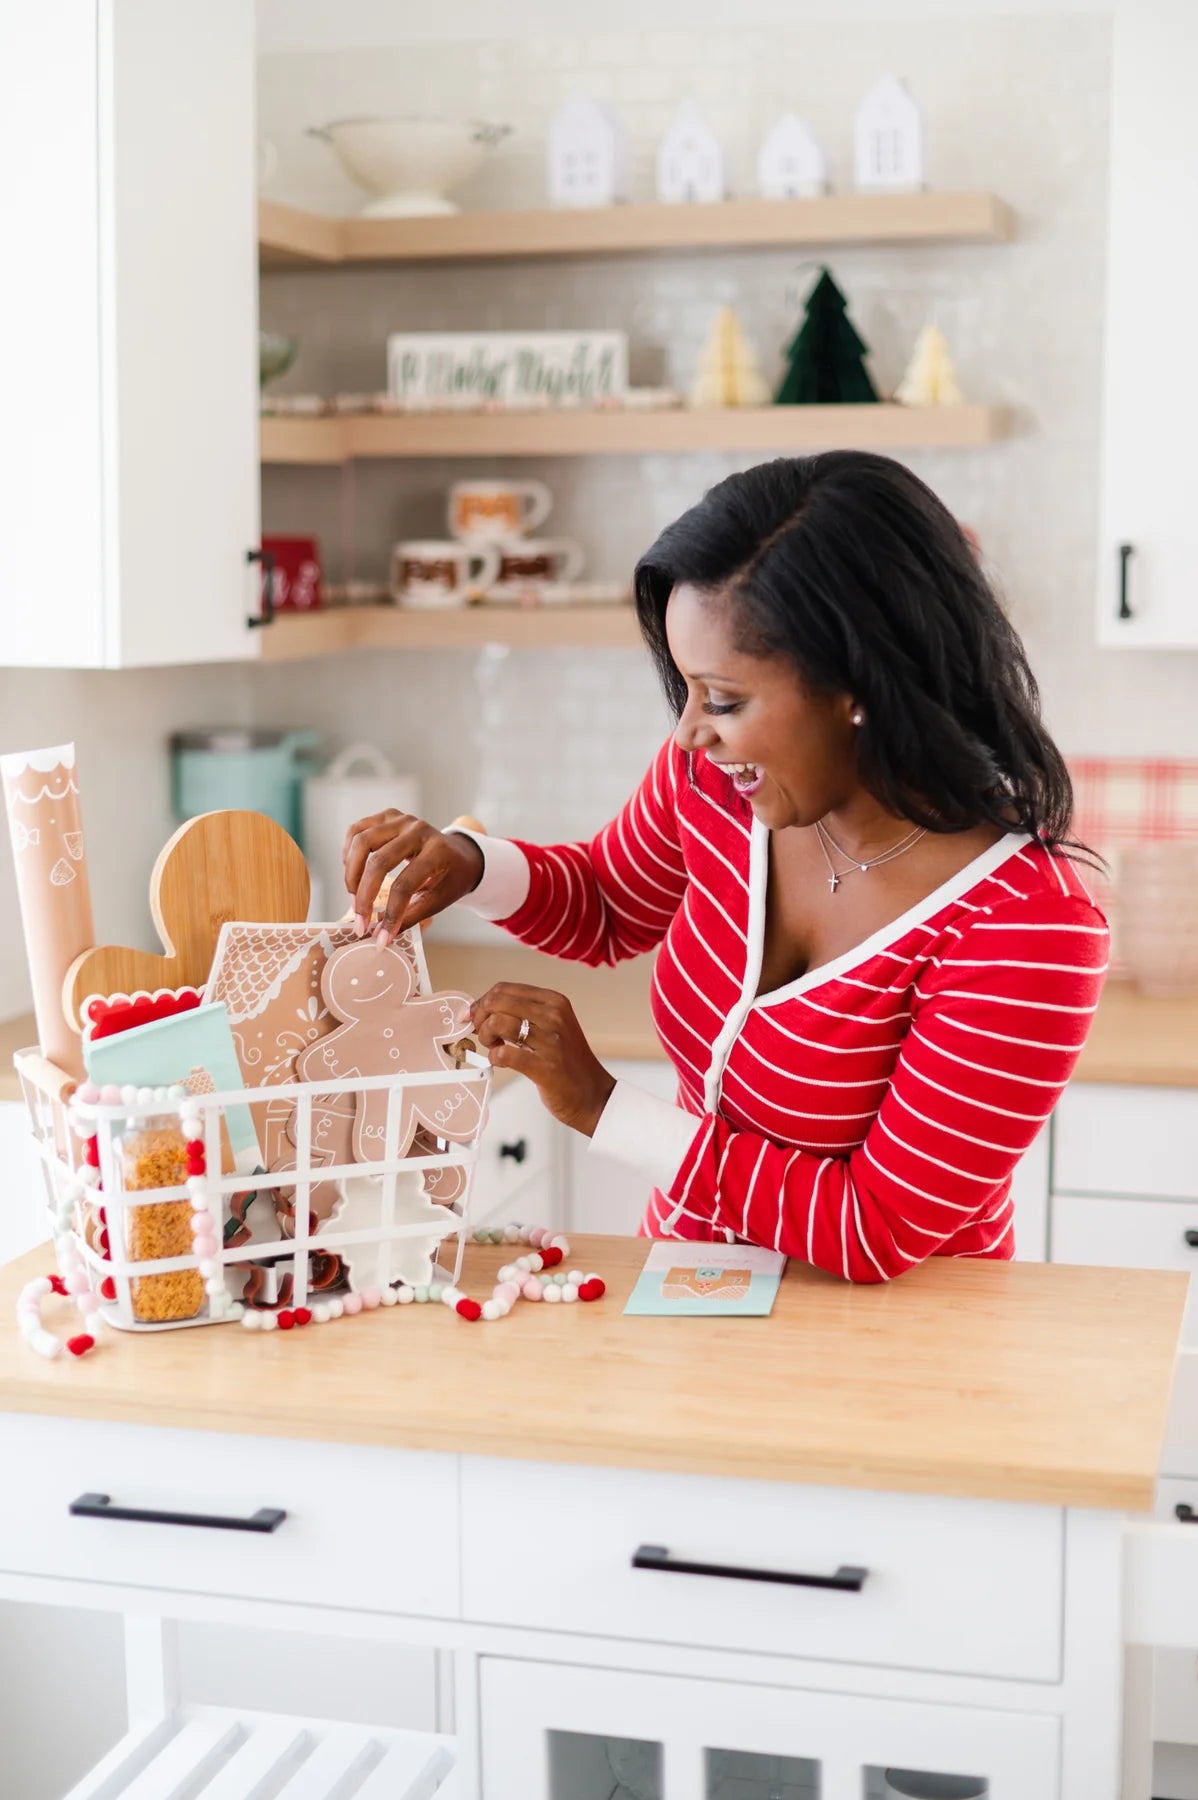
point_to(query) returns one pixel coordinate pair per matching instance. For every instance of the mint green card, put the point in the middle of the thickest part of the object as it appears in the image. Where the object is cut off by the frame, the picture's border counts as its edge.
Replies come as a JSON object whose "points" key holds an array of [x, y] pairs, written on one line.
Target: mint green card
{"points": [[186, 1046], [712, 1280]]}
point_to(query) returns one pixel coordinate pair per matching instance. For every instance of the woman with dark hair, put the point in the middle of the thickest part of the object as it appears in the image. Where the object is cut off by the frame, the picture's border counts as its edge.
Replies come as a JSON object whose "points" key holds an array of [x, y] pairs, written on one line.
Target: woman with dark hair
{"points": [[879, 960]]}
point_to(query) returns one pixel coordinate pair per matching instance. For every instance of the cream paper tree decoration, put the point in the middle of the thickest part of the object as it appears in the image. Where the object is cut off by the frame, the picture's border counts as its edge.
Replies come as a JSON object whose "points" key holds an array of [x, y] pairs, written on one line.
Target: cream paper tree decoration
{"points": [[728, 374], [930, 379]]}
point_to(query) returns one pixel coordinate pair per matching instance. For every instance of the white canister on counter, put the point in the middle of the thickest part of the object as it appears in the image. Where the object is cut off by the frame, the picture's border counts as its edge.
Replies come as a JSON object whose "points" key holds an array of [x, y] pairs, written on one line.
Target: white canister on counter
{"points": [[359, 782]]}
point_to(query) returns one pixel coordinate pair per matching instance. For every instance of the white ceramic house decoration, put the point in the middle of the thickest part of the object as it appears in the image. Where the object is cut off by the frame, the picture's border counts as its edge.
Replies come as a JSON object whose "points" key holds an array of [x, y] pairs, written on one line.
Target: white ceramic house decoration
{"points": [[791, 163], [888, 140], [690, 162], [588, 154]]}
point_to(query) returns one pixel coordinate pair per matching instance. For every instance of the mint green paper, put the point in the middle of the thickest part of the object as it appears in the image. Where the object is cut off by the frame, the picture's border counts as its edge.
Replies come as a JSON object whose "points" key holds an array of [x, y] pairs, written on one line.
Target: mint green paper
{"points": [[706, 1281]]}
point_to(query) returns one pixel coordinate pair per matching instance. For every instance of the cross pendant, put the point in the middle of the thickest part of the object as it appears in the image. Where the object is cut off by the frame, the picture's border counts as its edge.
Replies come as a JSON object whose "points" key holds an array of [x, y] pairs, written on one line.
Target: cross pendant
{"points": [[833, 883]]}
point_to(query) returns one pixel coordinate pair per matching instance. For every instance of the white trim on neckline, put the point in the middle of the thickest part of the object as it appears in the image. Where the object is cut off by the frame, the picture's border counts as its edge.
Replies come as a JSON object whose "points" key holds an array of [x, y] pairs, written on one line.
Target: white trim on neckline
{"points": [[949, 890]]}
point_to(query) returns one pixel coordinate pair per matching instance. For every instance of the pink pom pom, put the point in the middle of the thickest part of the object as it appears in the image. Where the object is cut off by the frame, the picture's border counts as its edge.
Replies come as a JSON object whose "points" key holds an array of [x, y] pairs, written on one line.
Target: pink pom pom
{"points": [[507, 1290], [532, 1289], [79, 1346], [86, 1304], [110, 1095], [371, 1298], [89, 1093], [204, 1246], [536, 1236], [77, 1282], [352, 1303]]}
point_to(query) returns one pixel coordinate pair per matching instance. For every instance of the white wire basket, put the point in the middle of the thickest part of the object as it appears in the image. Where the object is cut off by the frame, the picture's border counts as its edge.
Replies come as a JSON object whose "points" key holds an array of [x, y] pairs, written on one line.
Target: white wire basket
{"points": [[384, 1229]]}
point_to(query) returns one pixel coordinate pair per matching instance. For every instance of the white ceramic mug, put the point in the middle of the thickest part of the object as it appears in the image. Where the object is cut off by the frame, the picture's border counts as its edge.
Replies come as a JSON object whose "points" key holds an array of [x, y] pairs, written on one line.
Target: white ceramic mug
{"points": [[490, 511], [530, 563], [440, 572]]}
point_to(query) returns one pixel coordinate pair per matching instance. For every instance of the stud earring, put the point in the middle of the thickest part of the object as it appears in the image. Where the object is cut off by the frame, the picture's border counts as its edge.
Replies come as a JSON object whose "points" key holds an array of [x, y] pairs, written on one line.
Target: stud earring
{"points": [[858, 717]]}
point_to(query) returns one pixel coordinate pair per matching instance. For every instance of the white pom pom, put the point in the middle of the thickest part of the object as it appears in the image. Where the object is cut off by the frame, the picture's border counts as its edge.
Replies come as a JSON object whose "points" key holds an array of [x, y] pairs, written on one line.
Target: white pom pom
{"points": [[268, 1322], [388, 1297], [236, 1310], [560, 1242], [511, 1234], [524, 1264], [176, 1093], [405, 1296], [215, 1286], [492, 1309], [576, 1277], [450, 1296], [197, 1187], [320, 1313], [208, 1266], [335, 1309], [145, 1096], [552, 1291], [250, 1319], [569, 1290], [129, 1094], [535, 1262], [88, 1177], [161, 1096]]}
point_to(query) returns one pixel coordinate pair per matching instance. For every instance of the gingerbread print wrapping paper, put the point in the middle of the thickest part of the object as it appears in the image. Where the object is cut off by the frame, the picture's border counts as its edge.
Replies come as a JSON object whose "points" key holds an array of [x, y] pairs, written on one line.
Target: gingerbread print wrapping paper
{"points": [[41, 796]]}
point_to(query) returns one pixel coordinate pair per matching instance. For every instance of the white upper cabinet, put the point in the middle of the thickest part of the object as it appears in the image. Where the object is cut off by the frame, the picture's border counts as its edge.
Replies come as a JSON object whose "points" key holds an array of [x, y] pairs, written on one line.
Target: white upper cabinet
{"points": [[1148, 548], [128, 316]]}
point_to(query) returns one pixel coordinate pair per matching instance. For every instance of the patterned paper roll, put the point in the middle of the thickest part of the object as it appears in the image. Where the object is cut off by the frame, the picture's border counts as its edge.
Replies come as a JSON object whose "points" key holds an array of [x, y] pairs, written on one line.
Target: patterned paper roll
{"points": [[42, 798]]}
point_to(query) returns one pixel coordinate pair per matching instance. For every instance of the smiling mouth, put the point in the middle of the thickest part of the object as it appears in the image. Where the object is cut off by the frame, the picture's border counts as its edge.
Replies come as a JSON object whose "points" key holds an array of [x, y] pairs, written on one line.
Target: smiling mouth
{"points": [[746, 778]]}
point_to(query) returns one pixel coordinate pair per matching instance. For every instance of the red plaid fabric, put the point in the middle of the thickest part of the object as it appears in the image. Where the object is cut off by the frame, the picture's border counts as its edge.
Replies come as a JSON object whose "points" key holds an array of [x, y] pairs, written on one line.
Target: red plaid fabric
{"points": [[1121, 801]]}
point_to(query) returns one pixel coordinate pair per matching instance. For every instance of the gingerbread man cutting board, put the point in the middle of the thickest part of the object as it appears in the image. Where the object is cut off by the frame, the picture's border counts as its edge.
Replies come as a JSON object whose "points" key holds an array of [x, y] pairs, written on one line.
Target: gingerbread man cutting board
{"points": [[220, 866]]}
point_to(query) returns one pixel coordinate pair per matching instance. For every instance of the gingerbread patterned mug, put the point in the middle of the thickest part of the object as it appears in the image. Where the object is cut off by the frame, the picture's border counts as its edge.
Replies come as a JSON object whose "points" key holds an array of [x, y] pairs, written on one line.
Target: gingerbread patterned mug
{"points": [[489, 512], [438, 572], [533, 563]]}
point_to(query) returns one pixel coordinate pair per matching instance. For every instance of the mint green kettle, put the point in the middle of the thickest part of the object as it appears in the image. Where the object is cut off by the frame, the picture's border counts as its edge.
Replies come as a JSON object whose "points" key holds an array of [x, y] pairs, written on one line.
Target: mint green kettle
{"points": [[249, 770]]}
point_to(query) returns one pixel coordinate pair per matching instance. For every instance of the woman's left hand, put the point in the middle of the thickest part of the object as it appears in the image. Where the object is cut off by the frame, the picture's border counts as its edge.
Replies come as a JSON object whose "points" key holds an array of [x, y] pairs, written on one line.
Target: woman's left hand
{"points": [[573, 1083]]}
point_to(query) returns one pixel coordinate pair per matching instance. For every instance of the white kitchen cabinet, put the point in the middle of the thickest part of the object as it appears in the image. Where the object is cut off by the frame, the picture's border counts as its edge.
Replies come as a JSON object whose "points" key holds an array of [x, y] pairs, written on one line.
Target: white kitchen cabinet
{"points": [[1147, 485], [129, 456], [554, 1733], [519, 1174]]}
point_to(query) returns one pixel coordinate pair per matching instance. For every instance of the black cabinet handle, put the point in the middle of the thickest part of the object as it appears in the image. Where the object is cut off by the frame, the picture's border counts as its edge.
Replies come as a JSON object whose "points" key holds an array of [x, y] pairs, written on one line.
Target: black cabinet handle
{"points": [[1191, 1238], [267, 614], [846, 1580], [1184, 1513], [1126, 552], [517, 1151], [99, 1506]]}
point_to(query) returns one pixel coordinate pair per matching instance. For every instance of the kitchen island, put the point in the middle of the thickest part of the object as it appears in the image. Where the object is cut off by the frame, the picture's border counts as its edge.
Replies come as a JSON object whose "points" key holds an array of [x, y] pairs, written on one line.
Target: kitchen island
{"points": [[884, 1526]]}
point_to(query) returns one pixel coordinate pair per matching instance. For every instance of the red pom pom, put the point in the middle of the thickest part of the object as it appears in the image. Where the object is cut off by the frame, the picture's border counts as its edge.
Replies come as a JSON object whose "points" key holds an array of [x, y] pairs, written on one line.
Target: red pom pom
{"points": [[286, 1318], [468, 1309], [593, 1289], [108, 1288], [194, 1146], [91, 1152], [79, 1346], [57, 1284], [302, 1315], [196, 1165], [549, 1256]]}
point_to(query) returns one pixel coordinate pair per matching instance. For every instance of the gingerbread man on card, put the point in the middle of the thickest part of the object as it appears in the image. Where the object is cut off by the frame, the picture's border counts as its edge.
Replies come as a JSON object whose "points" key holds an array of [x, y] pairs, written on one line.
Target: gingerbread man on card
{"points": [[387, 1029]]}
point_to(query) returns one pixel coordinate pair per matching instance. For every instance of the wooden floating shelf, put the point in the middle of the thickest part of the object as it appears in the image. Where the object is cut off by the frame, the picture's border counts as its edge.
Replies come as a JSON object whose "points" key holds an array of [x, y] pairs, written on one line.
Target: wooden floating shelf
{"points": [[291, 239], [295, 636], [783, 429]]}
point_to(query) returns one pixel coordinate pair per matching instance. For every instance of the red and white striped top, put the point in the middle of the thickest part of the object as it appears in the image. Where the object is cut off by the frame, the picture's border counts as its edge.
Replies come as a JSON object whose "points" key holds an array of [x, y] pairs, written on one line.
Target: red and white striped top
{"points": [[865, 1116]]}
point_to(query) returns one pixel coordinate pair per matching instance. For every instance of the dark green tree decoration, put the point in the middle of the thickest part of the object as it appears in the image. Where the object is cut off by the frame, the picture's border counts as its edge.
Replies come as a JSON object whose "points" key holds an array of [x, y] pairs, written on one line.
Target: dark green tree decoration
{"points": [[825, 359]]}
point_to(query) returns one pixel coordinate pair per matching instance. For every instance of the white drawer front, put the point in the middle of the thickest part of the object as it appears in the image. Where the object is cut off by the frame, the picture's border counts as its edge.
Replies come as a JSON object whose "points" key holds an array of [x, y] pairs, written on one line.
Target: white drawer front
{"points": [[516, 1152], [1125, 1140], [969, 1586], [365, 1527], [1128, 1234]]}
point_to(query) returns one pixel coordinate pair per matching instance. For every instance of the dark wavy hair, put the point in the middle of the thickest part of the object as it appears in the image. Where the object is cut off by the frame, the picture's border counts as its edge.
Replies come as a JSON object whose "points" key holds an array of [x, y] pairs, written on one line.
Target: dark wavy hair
{"points": [[850, 568]]}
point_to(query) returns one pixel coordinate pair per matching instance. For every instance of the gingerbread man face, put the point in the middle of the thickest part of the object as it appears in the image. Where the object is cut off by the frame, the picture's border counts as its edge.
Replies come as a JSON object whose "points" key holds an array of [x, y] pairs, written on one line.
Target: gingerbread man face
{"points": [[362, 981]]}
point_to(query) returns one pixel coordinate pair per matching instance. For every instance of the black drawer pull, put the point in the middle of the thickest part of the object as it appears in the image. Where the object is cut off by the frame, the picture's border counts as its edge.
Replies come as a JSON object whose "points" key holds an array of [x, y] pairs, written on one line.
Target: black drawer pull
{"points": [[847, 1579], [99, 1506], [1184, 1513], [1191, 1238], [1126, 552], [517, 1151]]}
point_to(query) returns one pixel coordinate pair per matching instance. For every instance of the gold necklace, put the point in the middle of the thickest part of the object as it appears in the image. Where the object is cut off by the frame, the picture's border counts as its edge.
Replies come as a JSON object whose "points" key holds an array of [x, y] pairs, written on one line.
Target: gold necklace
{"points": [[856, 866]]}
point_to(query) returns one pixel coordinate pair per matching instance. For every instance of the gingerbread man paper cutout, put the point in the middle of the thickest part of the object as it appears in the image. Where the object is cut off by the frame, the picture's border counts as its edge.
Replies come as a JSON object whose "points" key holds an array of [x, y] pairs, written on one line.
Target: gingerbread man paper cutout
{"points": [[387, 1029]]}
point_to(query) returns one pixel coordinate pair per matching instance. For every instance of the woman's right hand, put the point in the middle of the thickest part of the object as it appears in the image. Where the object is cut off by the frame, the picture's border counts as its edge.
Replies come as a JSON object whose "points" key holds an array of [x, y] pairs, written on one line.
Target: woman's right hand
{"points": [[441, 868]]}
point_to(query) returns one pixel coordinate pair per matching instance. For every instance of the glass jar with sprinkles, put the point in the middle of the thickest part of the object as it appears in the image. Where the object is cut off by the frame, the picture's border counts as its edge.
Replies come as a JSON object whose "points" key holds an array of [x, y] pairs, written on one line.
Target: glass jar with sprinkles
{"points": [[155, 1156]]}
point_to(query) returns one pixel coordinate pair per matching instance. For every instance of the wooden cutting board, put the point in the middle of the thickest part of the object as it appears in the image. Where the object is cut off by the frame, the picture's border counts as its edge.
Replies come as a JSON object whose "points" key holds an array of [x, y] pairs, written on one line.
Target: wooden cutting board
{"points": [[221, 866]]}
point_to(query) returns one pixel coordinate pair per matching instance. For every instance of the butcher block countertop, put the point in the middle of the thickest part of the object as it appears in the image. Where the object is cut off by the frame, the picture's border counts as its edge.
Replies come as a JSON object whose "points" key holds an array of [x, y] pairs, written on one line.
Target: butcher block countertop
{"points": [[1009, 1381], [1135, 1041]]}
